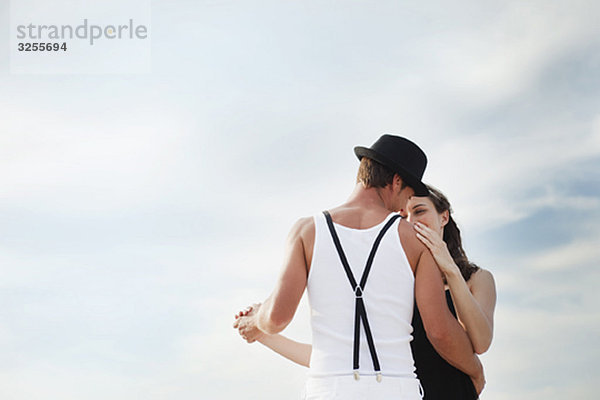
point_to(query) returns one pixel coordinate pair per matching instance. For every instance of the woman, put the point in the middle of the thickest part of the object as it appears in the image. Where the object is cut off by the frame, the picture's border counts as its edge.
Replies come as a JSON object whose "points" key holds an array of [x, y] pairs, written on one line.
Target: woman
{"points": [[470, 292]]}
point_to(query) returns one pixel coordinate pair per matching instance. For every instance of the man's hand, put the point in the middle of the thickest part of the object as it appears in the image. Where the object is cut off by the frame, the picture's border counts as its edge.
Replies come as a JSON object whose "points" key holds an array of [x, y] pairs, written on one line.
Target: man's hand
{"points": [[252, 308], [246, 324], [478, 380]]}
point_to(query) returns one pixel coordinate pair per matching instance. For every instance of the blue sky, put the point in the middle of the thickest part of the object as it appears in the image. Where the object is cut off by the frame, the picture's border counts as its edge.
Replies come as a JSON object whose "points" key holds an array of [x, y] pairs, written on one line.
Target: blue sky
{"points": [[140, 211]]}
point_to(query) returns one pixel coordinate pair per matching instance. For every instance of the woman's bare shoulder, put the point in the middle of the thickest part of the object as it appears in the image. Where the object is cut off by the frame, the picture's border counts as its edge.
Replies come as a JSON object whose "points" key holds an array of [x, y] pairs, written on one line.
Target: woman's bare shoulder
{"points": [[482, 278]]}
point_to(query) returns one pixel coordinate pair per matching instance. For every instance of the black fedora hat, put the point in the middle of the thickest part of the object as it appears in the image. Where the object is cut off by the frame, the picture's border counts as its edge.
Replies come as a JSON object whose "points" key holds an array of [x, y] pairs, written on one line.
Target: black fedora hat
{"points": [[401, 156]]}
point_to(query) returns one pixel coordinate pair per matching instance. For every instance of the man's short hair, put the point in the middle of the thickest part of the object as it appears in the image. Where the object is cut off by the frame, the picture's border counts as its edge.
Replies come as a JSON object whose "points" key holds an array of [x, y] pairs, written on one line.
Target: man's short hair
{"points": [[373, 174]]}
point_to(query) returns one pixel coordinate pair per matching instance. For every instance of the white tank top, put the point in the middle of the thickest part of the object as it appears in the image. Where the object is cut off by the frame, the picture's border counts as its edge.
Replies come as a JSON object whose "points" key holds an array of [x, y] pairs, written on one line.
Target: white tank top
{"points": [[388, 298]]}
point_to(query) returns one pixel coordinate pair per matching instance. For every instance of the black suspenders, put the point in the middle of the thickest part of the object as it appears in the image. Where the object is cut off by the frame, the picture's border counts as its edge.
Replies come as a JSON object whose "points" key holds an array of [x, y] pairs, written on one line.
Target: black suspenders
{"points": [[360, 313]]}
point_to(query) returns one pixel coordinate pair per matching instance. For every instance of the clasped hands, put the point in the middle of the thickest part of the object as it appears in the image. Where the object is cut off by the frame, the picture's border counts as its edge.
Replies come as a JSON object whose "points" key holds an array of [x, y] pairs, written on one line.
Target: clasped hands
{"points": [[246, 323]]}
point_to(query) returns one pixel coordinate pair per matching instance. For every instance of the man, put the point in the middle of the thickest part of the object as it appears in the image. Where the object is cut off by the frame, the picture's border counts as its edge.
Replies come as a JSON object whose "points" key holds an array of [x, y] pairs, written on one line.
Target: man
{"points": [[362, 267]]}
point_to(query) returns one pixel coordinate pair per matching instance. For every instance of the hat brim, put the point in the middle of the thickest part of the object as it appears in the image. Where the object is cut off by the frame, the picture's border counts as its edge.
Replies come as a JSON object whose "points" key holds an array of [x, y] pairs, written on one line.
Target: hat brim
{"points": [[411, 180]]}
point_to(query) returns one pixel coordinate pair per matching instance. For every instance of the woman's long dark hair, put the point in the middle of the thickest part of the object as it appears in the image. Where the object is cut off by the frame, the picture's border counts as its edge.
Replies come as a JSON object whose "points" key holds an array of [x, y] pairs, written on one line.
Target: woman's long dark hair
{"points": [[452, 234]]}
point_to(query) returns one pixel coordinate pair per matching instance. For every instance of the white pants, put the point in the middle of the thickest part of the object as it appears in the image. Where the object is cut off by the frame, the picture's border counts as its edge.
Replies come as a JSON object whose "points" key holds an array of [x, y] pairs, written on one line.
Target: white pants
{"points": [[367, 388]]}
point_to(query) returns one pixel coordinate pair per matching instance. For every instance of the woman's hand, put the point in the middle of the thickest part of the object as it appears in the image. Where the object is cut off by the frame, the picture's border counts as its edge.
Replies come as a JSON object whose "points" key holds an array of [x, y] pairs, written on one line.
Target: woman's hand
{"points": [[437, 247]]}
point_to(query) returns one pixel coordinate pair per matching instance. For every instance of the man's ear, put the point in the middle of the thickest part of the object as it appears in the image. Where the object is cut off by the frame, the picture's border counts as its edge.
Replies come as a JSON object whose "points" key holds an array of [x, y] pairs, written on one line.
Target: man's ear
{"points": [[397, 182]]}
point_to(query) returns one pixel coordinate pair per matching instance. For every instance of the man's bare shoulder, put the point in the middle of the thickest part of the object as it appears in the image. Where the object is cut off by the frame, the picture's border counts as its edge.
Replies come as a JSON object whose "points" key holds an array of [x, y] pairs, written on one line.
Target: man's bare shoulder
{"points": [[413, 247], [303, 234], [408, 235], [303, 227]]}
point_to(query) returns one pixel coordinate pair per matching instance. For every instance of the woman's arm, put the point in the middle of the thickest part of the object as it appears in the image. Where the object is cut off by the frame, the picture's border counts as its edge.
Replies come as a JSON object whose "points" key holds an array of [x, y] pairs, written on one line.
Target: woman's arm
{"points": [[474, 305], [290, 349]]}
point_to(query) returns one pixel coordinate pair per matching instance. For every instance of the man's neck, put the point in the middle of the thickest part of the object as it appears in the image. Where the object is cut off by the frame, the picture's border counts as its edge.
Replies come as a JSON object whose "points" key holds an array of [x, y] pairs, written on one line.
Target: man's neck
{"points": [[369, 198]]}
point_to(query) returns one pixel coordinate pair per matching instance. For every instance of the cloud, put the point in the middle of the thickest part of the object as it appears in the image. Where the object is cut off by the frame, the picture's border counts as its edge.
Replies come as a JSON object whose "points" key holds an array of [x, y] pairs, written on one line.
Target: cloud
{"points": [[528, 342], [581, 253], [88, 164], [46, 380]]}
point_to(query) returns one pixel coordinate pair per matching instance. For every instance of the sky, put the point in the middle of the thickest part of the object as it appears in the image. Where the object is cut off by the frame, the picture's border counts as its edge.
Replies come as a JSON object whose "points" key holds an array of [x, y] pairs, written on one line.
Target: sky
{"points": [[140, 211]]}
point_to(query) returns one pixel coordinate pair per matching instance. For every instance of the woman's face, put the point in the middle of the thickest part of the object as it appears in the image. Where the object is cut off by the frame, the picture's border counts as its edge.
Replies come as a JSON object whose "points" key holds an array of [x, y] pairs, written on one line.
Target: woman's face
{"points": [[421, 209]]}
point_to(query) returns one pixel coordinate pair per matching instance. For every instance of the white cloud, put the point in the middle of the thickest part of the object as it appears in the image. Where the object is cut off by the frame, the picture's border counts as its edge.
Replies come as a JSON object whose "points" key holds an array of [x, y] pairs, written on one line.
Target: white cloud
{"points": [[87, 162], [500, 58], [581, 253], [494, 181], [529, 345], [48, 381]]}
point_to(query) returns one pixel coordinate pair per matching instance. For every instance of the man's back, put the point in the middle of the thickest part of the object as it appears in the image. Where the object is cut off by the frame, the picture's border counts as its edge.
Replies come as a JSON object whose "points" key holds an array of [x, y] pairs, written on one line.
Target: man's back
{"points": [[388, 296]]}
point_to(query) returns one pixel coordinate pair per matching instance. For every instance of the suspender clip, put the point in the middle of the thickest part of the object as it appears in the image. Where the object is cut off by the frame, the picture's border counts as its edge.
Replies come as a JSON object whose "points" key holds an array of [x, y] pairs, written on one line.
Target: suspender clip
{"points": [[356, 375], [378, 377], [358, 292]]}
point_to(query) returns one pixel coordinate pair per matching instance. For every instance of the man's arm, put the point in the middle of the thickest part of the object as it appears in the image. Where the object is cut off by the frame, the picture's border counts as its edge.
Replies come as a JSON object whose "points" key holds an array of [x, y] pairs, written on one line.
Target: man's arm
{"points": [[443, 330], [279, 308]]}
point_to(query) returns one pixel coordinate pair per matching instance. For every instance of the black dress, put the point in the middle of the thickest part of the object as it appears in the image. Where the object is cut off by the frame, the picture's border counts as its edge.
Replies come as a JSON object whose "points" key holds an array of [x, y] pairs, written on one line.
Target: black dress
{"points": [[440, 380]]}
